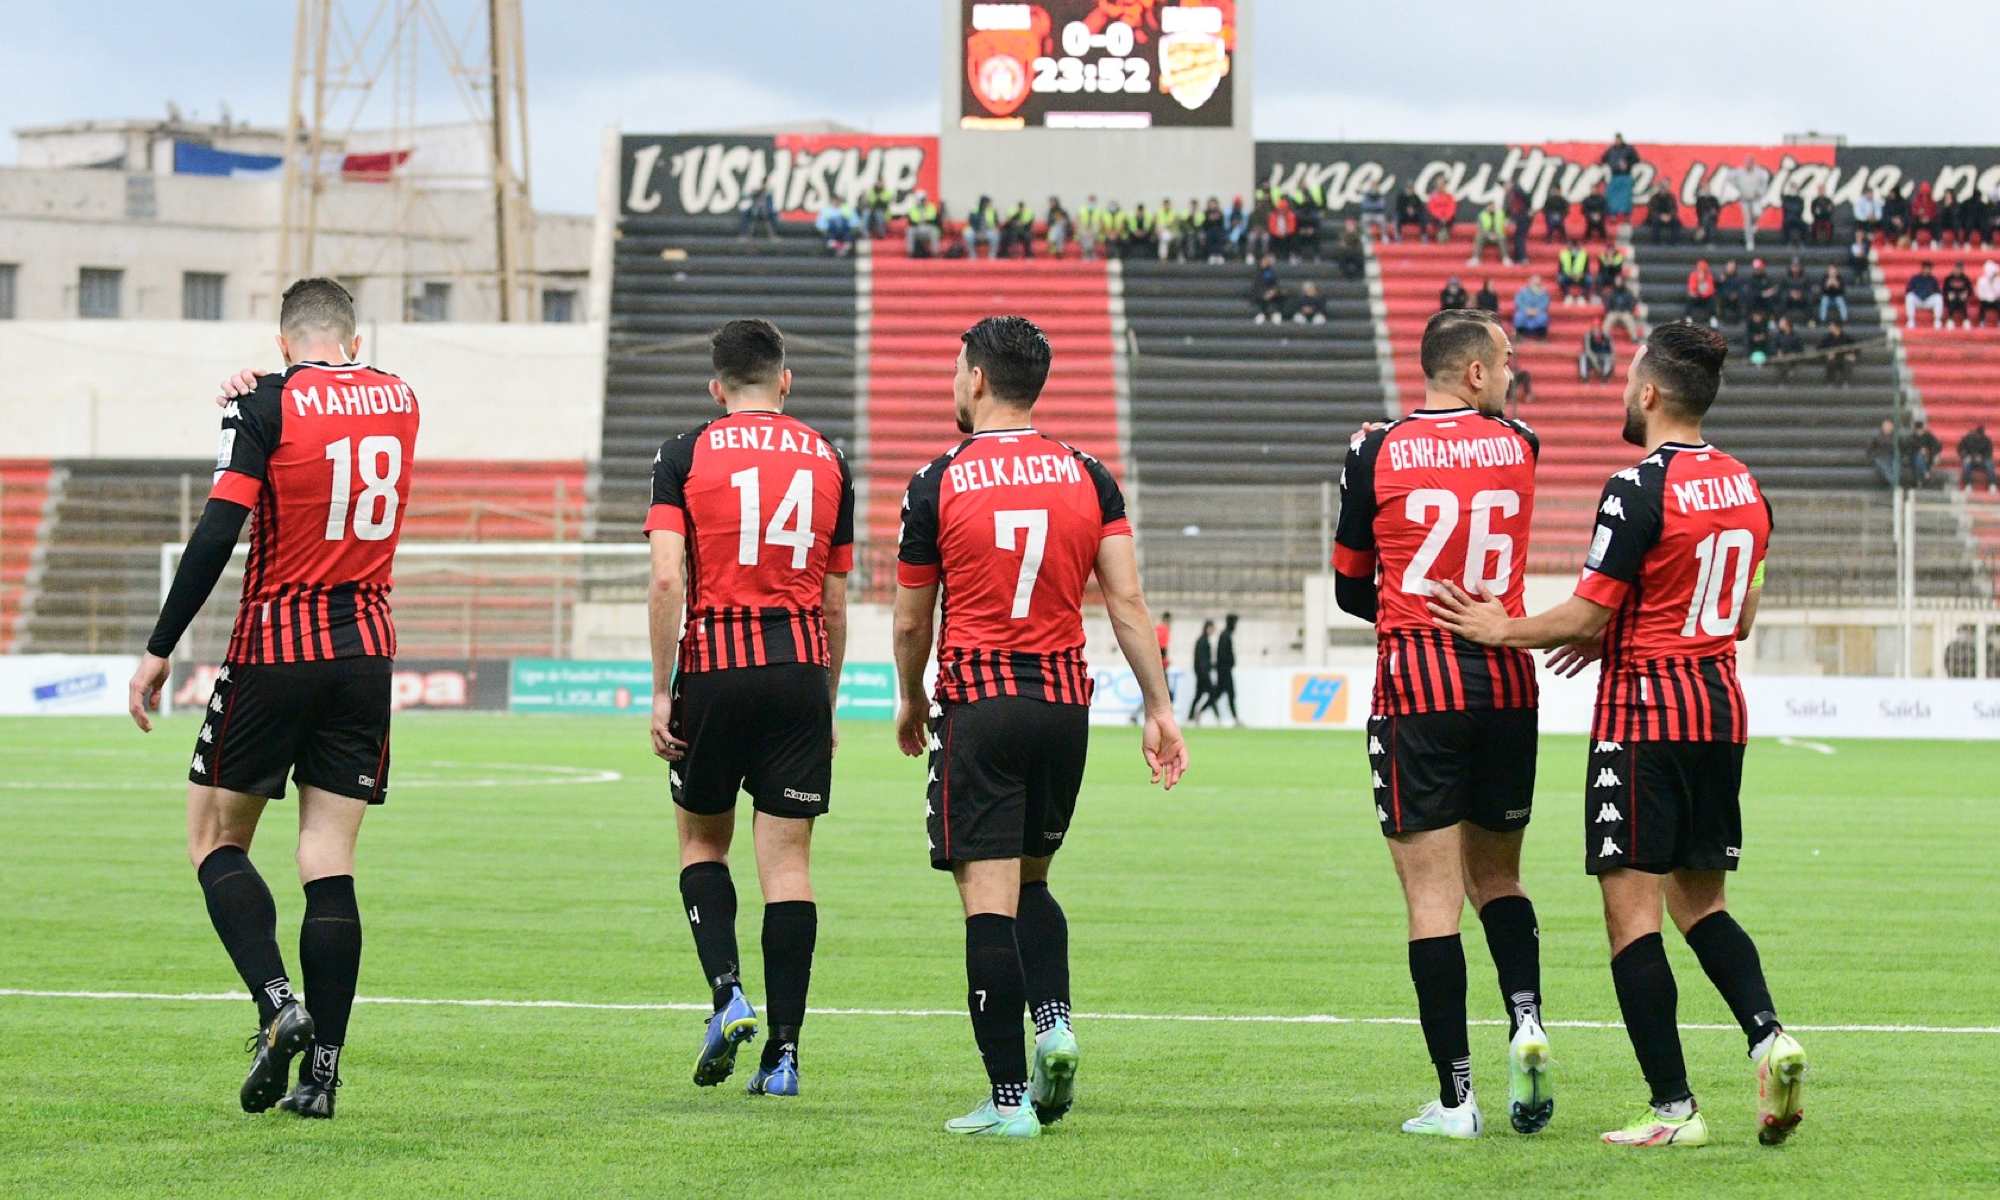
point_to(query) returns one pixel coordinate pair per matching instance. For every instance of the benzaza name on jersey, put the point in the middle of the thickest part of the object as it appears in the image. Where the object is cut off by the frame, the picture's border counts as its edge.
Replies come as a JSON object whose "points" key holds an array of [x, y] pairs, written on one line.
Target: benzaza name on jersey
{"points": [[1015, 472], [1423, 453], [768, 437]]}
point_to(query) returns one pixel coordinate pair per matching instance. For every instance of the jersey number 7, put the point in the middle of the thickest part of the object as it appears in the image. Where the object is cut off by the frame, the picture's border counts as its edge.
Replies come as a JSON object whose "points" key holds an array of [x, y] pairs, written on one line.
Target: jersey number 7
{"points": [[1007, 524]]}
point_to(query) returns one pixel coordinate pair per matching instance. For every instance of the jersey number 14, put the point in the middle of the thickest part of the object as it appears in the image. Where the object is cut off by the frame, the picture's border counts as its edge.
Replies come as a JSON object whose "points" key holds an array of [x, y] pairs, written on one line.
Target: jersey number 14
{"points": [[791, 526]]}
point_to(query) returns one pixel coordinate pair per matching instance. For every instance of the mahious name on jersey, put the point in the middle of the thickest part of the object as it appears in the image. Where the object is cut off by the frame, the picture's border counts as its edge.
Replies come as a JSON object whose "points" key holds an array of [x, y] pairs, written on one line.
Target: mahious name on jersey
{"points": [[1421, 453], [768, 437], [1027, 470], [1715, 493], [359, 400]]}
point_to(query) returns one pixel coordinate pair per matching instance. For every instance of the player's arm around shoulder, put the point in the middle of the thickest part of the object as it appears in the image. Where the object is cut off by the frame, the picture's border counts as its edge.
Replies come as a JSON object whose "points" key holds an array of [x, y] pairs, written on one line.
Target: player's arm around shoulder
{"points": [[1117, 569]]}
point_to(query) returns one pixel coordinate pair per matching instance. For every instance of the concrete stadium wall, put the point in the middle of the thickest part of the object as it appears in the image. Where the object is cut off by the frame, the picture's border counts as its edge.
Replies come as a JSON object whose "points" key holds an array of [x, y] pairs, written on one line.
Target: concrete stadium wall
{"points": [[141, 389]]}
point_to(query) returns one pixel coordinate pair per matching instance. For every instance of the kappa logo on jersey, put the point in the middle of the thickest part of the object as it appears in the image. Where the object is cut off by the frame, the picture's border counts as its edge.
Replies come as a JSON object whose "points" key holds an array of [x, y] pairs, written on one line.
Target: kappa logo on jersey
{"points": [[1654, 461], [1609, 748], [1613, 507], [1606, 777], [1629, 475], [1609, 849], [1607, 814]]}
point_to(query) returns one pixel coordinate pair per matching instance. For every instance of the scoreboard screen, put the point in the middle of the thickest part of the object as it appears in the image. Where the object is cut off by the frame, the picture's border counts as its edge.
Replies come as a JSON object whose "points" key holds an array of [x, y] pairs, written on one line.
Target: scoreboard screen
{"points": [[1098, 64]]}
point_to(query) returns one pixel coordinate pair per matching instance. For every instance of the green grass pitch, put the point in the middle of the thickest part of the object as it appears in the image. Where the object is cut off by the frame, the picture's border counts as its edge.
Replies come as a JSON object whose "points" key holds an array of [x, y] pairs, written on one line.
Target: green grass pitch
{"points": [[1260, 887]]}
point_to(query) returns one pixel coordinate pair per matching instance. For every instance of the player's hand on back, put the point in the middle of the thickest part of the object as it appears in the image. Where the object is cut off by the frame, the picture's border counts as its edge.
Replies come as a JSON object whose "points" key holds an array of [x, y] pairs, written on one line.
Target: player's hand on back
{"points": [[912, 732], [1569, 661], [1476, 618], [143, 693], [1165, 750], [665, 744], [236, 387]]}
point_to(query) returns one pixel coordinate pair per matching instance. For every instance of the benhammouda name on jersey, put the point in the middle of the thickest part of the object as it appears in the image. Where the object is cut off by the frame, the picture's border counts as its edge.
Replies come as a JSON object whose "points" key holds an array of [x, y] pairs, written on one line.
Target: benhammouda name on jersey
{"points": [[1025, 471], [358, 401], [1717, 493], [1463, 454], [768, 437]]}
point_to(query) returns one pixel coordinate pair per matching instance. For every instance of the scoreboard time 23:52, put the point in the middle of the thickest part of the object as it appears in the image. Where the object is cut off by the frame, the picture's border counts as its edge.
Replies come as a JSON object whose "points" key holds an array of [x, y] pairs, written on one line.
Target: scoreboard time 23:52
{"points": [[1098, 64]]}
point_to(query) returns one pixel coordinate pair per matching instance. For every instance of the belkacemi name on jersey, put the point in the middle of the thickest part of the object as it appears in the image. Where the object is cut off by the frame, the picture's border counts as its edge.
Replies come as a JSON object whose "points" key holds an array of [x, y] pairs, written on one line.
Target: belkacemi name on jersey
{"points": [[1709, 495], [361, 400], [1015, 472], [1456, 454]]}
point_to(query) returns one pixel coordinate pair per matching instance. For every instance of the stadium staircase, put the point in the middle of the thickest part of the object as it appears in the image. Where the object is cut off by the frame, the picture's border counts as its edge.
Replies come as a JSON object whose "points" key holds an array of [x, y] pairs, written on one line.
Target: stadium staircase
{"points": [[1235, 426], [25, 488]]}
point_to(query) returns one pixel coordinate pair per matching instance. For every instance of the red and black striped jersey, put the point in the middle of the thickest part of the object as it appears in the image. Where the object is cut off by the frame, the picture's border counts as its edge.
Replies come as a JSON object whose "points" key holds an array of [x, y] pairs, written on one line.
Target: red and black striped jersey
{"points": [[1008, 523], [1440, 494], [1679, 544], [767, 507], [321, 455]]}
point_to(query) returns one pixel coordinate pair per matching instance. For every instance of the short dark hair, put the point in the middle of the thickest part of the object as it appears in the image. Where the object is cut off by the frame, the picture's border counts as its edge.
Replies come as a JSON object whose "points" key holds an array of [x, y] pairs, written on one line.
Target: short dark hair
{"points": [[1454, 337], [1013, 352], [317, 303], [1684, 360], [747, 353]]}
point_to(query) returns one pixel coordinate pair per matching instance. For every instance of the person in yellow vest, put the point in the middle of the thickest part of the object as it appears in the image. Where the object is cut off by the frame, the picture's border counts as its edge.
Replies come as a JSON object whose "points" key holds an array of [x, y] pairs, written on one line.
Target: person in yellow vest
{"points": [[1492, 232], [920, 237], [875, 205], [983, 226], [1018, 230], [1573, 273], [1140, 226], [1166, 228], [1058, 227], [1089, 227]]}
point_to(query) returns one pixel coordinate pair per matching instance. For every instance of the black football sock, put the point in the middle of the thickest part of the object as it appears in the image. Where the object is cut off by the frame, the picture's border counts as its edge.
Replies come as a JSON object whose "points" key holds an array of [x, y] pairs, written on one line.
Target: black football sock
{"points": [[1647, 997], [710, 899], [791, 928], [330, 957], [1515, 943], [1437, 967], [1730, 958], [246, 919], [1043, 932], [995, 994]]}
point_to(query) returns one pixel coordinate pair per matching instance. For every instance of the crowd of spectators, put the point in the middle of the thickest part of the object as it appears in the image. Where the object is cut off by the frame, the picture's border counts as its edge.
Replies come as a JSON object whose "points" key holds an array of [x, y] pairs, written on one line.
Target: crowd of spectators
{"points": [[1951, 301], [1908, 455]]}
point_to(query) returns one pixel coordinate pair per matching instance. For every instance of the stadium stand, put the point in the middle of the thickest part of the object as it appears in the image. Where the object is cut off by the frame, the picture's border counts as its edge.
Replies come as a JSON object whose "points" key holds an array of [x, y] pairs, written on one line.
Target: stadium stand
{"points": [[25, 485]]}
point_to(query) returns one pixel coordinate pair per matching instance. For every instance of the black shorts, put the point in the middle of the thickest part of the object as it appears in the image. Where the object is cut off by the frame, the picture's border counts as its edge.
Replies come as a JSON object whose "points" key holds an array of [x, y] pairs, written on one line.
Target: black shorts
{"points": [[1433, 770], [767, 731], [1658, 806], [326, 724], [1004, 774]]}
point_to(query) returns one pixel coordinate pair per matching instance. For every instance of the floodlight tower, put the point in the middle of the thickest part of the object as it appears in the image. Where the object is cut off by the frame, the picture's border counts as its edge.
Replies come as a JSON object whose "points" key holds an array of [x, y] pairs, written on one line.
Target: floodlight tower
{"points": [[361, 64]]}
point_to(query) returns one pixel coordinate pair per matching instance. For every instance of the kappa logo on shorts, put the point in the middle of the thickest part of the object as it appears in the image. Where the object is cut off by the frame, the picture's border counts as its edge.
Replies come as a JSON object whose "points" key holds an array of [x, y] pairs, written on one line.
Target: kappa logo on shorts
{"points": [[1515, 814], [207, 733], [198, 766], [804, 797], [1607, 814], [1609, 849], [215, 703], [1606, 777], [222, 676], [1378, 779], [1609, 748], [1381, 814], [1374, 746]]}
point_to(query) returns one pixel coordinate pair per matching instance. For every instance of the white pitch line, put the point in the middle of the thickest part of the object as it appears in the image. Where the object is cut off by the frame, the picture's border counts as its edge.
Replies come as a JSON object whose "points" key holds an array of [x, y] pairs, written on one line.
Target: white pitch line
{"points": [[1179, 1018], [1803, 744]]}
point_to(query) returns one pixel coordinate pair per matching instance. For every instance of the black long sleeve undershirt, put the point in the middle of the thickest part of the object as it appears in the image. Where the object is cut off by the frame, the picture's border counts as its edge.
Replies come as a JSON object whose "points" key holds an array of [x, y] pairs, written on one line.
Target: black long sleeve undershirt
{"points": [[1355, 596], [202, 563]]}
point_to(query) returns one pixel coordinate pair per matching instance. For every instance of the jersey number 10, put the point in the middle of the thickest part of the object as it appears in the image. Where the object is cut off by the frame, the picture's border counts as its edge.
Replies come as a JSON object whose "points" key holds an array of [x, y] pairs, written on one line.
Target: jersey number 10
{"points": [[1718, 554]]}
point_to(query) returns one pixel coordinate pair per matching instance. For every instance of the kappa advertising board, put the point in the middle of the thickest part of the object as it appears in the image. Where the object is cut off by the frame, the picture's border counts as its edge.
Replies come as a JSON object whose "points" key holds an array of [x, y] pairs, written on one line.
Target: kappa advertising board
{"points": [[62, 685], [713, 174], [1480, 174], [1098, 64], [611, 687], [417, 684]]}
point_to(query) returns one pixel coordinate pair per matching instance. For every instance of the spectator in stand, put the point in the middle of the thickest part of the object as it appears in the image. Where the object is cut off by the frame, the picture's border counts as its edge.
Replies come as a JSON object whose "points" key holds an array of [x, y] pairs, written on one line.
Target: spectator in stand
{"points": [[1895, 221], [1520, 391], [1795, 292], [1923, 292], [1310, 204], [1839, 361], [838, 226], [1531, 310], [1411, 214], [1731, 294], [1757, 336], [1259, 238], [1701, 294], [1492, 232], [1555, 217], [1235, 227], [1312, 306], [1760, 290], [924, 226], [1058, 226], [1349, 252], [1440, 213], [1520, 221], [1663, 212], [1787, 345], [1166, 229], [1266, 293], [1947, 216], [1707, 212], [1594, 209], [1453, 295], [1958, 296], [983, 227], [1822, 220], [1975, 457], [758, 211], [1486, 299], [1867, 214], [1619, 159], [1375, 216], [1622, 310], [1988, 292], [1925, 450], [875, 205], [1214, 232], [1140, 226], [1284, 226], [1971, 217], [1573, 273], [1751, 184], [1595, 357], [1889, 454], [1858, 252], [1792, 219], [1088, 227], [1610, 267], [1924, 216], [1832, 295], [1017, 231]]}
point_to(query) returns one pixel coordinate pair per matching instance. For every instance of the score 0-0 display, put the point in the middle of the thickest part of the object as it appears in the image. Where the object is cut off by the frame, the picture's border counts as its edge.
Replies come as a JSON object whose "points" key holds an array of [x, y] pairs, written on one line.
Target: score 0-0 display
{"points": [[1098, 64]]}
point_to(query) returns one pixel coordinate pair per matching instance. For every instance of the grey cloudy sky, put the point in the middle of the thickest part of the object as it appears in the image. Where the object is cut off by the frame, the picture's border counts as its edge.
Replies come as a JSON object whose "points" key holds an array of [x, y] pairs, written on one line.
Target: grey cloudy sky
{"points": [[1698, 70]]}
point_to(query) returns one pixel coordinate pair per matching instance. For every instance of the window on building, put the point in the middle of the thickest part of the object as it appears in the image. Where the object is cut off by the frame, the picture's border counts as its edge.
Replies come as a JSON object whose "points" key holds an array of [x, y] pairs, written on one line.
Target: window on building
{"points": [[201, 296], [7, 291], [558, 306], [99, 291], [433, 303]]}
